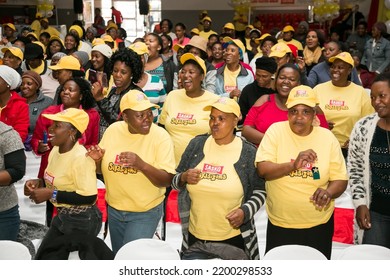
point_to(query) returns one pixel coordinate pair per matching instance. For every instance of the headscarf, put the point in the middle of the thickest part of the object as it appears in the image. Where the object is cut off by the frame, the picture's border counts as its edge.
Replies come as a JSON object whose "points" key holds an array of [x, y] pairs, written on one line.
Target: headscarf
{"points": [[10, 76]]}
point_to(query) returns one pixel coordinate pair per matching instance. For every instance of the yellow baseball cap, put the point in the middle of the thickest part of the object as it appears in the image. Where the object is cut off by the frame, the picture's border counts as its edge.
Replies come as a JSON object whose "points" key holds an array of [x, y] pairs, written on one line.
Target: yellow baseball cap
{"points": [[137, 101], [10, 25], [189, 56], [45, 19], [237, 42], [77, 117], [107, 38], [111, 25], [302, 95], [177, 47], [229, 25], [140, 48], [226, 105], [249, 26], [279, 50], [195, 31], [68, 62], [56, 38], [32, 34], [288, 28], [207, 18], [15, 51], [344, 56], [97, 41]]}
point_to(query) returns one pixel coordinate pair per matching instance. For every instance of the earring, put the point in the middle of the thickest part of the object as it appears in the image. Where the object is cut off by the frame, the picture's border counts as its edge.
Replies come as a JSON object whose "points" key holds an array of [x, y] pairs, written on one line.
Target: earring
{"points": [[72, 138]]}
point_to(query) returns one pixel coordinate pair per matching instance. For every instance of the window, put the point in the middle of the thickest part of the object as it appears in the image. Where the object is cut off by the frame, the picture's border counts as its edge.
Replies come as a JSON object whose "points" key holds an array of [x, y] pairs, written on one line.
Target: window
{"points": [[136, 25]]}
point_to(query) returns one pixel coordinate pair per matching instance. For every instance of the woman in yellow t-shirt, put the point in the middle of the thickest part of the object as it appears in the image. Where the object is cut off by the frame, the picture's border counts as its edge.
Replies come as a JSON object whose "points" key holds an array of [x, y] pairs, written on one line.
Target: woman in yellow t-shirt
{"points": [[304, 171], [219, 190], [69, 181]]}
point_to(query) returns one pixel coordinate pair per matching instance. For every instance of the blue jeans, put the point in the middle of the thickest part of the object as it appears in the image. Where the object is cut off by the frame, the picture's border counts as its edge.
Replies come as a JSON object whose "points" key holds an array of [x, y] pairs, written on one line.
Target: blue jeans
{"points": [[128, 226], [9, 223], [88, 222], [379, 234]]}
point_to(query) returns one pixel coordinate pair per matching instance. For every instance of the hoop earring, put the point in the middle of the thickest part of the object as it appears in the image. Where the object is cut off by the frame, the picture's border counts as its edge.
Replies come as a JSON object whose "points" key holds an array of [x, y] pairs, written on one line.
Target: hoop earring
{"points": [[73, 138]]}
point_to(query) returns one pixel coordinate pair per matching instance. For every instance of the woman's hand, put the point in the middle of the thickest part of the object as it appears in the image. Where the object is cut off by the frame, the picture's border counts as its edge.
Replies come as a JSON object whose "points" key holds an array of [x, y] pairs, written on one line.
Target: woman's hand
{"points": [[304, 158], [97, 91], [31, 185], [236, 217], [43, 147], [191, 176], [132, 160], [321, 198], [40, 195], [363, 217], [95, 152], [331, 125], [235, 94]]}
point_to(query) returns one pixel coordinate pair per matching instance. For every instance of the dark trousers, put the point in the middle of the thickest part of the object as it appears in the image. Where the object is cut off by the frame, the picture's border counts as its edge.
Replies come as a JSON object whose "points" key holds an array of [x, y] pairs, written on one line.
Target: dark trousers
{"points": [[318, 237]]}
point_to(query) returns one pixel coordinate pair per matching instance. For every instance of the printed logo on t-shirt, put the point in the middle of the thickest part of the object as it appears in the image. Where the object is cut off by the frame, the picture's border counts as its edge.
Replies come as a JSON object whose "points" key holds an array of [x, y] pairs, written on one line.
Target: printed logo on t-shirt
{"points": [[184, 119], [229, 89], [303, 172], [212, 172], [336, 105], [118, 166], [49, 179]]}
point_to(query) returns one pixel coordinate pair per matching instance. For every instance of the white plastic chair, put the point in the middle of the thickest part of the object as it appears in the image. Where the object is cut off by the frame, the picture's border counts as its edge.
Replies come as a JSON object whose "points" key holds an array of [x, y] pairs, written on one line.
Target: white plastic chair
{"points": [[294, 252], [12, 250], [364, 252], [147, 249]]}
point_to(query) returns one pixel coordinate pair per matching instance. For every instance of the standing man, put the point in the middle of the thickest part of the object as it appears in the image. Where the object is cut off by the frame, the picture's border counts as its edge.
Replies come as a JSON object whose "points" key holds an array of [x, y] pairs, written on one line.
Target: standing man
{"points": [[116, 16]]}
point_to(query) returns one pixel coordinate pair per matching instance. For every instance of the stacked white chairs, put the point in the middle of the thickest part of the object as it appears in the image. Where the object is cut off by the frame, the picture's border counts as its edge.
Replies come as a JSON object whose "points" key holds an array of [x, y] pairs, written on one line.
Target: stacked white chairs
{"points": [[147, 249], [364, 252], [294, 252], [12, 250]]}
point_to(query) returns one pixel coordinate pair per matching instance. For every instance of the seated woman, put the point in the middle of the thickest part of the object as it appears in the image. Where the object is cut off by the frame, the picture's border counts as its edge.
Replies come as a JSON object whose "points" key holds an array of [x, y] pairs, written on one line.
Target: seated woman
{"points": [[216, 175], [69, 181], [304, 171]]}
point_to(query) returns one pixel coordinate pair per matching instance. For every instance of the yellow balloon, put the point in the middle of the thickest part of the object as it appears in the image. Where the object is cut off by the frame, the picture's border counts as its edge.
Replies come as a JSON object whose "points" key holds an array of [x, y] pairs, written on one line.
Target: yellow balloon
{"points": [[388, 14]]}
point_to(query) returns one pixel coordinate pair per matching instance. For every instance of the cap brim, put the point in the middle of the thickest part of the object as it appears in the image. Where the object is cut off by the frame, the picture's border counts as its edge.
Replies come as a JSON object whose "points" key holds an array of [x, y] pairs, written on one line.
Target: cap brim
{"points": [[142, 107], [297, 102]]}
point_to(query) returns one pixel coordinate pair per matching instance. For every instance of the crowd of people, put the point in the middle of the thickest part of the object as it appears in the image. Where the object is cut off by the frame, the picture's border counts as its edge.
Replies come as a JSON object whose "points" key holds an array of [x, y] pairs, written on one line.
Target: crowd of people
{"points": [[206, 127]]}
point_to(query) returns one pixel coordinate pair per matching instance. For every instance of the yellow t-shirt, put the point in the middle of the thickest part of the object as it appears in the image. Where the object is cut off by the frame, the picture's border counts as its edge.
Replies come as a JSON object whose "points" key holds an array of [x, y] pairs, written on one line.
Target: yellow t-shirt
{"points": [[206, 35], [230, 79], [218, 192], [288, 198], [184, 117], [292, 42], [71, 171], [128, 189], [51, 30], [344, 106]]}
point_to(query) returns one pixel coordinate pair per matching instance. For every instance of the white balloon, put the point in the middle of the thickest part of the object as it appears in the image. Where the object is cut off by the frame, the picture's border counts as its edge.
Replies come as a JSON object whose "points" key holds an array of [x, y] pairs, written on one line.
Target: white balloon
{"points": [[49, 14], [387, 4]]}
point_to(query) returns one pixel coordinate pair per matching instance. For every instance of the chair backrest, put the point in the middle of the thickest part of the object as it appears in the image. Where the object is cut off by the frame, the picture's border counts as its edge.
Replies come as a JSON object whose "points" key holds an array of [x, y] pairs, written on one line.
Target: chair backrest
{"points": [[294, 252], [12, 250], [147, 249], [365, 252]]}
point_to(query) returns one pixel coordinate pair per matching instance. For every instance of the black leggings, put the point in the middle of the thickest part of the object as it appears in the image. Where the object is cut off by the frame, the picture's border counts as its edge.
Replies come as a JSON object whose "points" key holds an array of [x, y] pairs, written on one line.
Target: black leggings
{"points": [[318, 237]]}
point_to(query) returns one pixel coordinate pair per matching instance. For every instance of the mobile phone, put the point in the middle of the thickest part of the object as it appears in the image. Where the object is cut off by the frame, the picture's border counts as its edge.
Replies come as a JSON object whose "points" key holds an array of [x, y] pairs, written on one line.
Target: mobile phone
{"points": [[300, 53], [92, 76], [44, 141], [104, 80]]}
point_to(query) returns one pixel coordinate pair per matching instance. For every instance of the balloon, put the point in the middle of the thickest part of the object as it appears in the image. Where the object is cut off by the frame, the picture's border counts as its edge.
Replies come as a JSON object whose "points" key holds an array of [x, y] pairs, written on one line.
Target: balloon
{"points": [[388, 14], [328, 16], [49, 14], [387, 4]]}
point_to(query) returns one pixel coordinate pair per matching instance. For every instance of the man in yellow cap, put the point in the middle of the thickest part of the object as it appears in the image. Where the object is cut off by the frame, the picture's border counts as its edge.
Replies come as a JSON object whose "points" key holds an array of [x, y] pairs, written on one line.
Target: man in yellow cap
{"points": [[240, 23], [288, 37], [206, 32], [36, 24], [9, 31], [45, 27], [229, 30]]}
